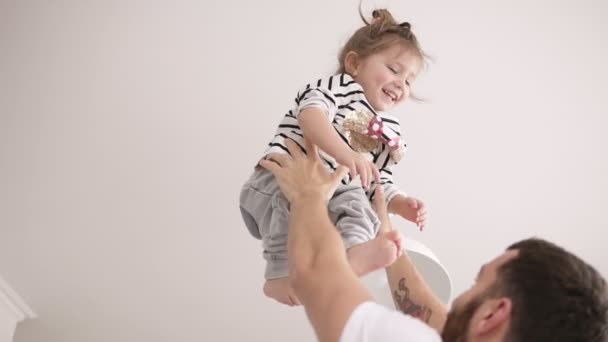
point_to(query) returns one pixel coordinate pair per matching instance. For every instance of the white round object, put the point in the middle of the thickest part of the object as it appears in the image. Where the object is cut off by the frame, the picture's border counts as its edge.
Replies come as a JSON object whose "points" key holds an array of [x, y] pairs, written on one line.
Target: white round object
{"points": [[427, 264]]}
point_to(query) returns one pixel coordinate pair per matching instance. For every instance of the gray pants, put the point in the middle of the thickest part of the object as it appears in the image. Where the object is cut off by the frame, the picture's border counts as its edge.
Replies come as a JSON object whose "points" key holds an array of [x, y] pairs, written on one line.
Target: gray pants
{"points": [[265, 211]]}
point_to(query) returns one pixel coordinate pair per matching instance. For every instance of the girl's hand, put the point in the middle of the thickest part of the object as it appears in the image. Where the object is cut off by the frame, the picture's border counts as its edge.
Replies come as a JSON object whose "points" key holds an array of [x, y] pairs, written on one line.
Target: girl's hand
{"points": [[359, 165], [414, 210]]}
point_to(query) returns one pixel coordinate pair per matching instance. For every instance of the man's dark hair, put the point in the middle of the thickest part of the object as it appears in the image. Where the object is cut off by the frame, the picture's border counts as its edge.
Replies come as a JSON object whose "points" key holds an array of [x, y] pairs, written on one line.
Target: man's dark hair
{"points": [[556, 296]]}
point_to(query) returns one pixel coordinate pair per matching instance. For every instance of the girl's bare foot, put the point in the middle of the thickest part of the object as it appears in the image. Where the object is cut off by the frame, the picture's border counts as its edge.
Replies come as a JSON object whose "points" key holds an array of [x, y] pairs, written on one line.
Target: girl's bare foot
{"points": [[279, 290], [374, 254]]}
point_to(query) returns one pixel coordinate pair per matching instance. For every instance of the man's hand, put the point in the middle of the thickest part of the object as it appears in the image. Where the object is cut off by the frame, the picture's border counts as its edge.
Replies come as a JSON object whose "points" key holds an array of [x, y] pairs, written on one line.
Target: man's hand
{"points": [[319, 271], [303, 176]]}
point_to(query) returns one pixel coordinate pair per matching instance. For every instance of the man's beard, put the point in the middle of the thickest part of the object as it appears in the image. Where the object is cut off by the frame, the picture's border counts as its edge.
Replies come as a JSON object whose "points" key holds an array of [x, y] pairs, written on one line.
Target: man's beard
{"points": [[457, 324]]}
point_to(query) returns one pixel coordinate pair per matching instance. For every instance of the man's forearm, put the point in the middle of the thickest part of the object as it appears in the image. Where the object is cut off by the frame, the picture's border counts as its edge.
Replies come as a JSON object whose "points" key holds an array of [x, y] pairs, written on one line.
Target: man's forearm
{"points": [[319, 271], [313, 242], [412, 295]]}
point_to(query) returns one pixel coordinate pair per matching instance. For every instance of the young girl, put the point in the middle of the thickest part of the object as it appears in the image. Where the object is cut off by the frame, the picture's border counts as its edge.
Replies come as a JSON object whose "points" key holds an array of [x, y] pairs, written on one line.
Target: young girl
{"points": [[346, 116]]}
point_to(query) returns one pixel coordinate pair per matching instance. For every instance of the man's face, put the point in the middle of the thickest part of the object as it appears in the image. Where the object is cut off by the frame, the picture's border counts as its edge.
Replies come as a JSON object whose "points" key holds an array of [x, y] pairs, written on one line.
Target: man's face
{"points": [[465, 308]]}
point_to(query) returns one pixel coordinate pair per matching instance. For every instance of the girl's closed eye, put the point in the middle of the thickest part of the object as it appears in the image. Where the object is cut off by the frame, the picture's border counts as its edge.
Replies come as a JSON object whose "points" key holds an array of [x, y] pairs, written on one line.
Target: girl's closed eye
{"points": [[393, 70]]}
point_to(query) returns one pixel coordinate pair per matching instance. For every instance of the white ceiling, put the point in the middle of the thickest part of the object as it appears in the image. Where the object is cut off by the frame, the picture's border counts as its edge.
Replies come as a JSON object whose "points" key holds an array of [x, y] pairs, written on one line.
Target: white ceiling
{"points": [[127, 128]]}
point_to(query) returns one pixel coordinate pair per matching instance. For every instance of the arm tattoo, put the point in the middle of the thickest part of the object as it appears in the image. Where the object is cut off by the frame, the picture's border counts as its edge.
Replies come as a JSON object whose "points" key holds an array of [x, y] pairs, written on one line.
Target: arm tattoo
{"points": [[407, 306]]}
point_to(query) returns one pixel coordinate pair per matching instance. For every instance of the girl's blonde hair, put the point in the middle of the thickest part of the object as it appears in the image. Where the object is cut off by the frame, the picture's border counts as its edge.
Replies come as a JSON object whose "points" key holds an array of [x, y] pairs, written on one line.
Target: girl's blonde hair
{"points": [[378, 35]]}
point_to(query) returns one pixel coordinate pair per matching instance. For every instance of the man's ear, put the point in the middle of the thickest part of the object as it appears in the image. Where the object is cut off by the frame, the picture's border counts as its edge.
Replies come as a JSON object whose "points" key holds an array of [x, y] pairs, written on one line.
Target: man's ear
{"points": [[495, 315], [351, 63]]}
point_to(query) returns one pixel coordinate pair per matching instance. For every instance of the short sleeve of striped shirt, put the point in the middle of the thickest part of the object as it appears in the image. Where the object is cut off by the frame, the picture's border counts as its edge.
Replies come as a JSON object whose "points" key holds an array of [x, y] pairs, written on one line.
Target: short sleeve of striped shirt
{"points": [[325, 94]]}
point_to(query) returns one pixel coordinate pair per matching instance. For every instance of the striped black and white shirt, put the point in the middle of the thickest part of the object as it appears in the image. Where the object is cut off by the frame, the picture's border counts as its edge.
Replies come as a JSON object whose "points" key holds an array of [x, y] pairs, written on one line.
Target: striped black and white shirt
{"points": [[337, 96]]}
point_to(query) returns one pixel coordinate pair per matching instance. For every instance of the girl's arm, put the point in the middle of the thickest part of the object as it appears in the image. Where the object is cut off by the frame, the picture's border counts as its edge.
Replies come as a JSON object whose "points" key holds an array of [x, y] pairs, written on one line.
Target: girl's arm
{"points": [[320, 132]]}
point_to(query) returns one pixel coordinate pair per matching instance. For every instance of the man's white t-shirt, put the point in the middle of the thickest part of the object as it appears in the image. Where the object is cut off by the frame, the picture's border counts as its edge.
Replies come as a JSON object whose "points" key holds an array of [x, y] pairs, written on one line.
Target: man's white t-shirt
{"points": [[371, 322]]}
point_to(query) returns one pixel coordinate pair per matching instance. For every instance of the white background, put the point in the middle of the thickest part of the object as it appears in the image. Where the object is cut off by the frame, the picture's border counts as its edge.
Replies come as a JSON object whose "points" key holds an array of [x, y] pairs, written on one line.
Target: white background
{"points": [[128, 127]]}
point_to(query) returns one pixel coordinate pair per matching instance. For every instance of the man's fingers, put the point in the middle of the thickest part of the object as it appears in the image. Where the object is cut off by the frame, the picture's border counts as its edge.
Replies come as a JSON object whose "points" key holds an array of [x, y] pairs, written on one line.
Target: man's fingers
{"points": [[399, 244], [379, 193], [363, 174], [294, 149], [385, 223], [421, 221], [420, 217], [270, 166], [380, 203], [422, 224], [376, 173], [341, 172], [311, 149], [353, 170], [279, 158]]}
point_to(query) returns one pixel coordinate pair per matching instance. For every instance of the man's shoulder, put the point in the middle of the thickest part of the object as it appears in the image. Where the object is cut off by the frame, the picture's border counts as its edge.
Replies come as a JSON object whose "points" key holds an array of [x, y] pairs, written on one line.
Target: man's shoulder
{"points": [[371, 321]]}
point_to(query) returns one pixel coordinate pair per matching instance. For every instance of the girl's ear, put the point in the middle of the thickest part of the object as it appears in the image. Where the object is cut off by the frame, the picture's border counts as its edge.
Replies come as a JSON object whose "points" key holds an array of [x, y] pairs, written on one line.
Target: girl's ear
{"points": [[352, 63]]}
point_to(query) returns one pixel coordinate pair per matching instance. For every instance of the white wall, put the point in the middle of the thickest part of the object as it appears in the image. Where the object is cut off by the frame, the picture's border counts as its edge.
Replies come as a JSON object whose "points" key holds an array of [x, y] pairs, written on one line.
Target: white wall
{"points": [[13, 310], [7, 327], [118, 214]]}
